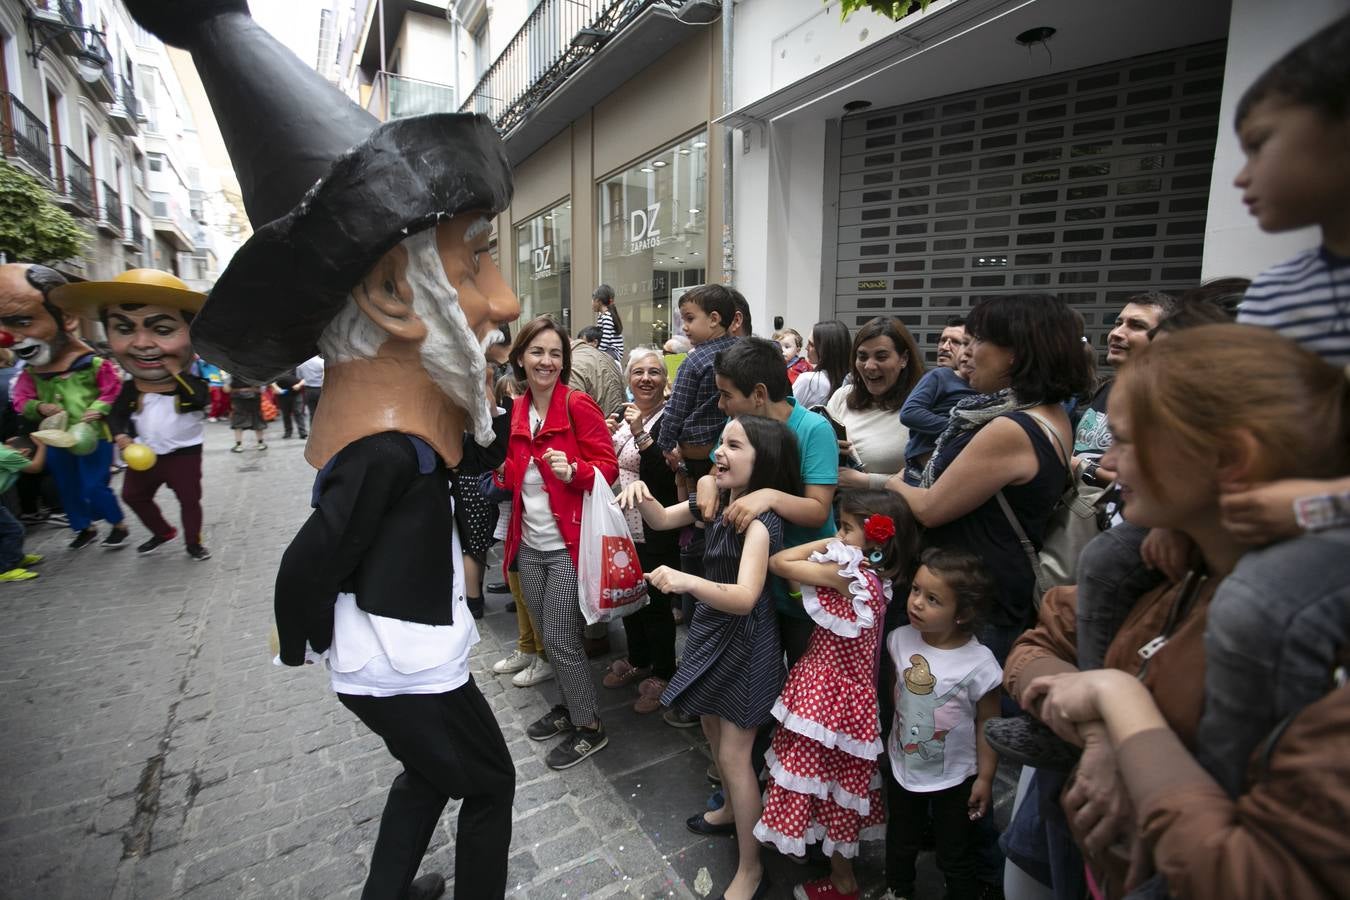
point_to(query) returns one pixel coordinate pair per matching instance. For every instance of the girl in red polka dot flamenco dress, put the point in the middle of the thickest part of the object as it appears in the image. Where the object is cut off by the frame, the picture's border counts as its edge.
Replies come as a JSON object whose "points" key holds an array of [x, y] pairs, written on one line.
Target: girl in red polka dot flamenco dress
{"points": [[824, 783]]}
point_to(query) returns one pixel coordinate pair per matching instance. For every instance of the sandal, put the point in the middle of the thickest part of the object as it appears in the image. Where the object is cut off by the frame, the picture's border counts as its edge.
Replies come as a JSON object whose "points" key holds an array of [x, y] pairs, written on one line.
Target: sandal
{"points": [[649, 695], [621, 674]]}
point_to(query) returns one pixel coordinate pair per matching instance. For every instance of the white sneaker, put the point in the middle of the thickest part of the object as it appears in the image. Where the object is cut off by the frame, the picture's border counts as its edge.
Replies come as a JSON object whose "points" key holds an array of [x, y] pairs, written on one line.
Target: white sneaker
{"points": [[538, 671], [513, 663]]}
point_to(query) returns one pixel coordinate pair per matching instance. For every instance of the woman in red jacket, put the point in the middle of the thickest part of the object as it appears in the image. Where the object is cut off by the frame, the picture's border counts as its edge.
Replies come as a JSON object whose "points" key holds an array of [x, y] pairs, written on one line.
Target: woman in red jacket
{"points": [[558, 442]]}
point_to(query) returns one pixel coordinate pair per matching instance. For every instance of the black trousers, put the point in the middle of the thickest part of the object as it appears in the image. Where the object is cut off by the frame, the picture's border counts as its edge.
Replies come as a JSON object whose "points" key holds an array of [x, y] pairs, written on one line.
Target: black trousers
{"points": [[907, 812], [450, 746], [312, 395], [292, 408], [651, 630]]}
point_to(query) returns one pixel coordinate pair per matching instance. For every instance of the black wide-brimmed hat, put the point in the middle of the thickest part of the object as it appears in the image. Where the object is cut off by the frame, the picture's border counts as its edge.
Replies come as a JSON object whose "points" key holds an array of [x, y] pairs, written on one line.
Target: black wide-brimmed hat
{"points": [[328, 189]]}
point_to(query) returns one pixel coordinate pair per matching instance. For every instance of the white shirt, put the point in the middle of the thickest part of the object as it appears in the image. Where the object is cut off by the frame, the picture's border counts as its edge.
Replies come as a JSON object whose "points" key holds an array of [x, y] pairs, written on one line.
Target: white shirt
{"points": [[311, 372], [539, 528], [932, 744], [376, 656], [811, 389], [877, 435], [162, 428]]}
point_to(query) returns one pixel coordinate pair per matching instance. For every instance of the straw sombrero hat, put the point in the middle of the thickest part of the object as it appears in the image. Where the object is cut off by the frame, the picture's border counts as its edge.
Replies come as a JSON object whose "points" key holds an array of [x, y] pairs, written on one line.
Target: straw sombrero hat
{"points": [[151, 287]]}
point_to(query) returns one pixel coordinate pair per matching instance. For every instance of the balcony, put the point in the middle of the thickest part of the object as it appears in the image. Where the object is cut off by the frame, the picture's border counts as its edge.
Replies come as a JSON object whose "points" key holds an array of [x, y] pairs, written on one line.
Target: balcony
{"points": [[110, 213], [170, 220], [66, 15], [547, 62], [125, 111], [398, 97], [23, 138], [133, 238], [74, 182]]}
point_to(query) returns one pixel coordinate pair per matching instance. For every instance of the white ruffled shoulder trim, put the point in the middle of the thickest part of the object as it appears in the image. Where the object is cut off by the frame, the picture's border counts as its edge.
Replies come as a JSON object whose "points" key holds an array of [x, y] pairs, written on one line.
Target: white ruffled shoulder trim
{"points": [[822, 735], [850, 561]]}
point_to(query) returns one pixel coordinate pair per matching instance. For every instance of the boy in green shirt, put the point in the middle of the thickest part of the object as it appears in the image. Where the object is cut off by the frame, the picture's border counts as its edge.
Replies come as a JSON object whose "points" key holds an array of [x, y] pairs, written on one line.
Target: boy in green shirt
{"points": [[19, 454]]}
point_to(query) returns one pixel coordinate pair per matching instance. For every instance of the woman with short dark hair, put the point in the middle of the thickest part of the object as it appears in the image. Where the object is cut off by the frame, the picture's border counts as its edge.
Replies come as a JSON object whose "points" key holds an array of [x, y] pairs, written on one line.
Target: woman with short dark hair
{"points": [[1011, 442]]}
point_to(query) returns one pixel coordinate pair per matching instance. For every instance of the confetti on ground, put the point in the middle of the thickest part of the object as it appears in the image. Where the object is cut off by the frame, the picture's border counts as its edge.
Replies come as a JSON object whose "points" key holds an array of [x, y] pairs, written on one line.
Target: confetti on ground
{"points": [[703, 882]]}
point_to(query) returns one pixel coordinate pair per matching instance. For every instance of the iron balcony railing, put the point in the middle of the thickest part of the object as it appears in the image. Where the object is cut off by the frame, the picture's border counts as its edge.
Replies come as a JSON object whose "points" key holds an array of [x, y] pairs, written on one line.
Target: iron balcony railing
{"points": [[69, 10], [137, 229], [23, 136], [555, 40], [79, 179], [112, 206], [126, 96], [397, 97]]}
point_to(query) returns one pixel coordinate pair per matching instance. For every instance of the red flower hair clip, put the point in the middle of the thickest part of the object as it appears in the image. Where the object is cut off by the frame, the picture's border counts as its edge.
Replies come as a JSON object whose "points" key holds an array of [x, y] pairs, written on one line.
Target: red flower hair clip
{"points": [[879, 528]]}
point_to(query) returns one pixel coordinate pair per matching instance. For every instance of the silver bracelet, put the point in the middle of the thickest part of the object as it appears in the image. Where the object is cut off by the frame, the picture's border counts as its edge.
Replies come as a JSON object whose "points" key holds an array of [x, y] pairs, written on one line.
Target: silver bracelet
{"points": [[877, 482]]}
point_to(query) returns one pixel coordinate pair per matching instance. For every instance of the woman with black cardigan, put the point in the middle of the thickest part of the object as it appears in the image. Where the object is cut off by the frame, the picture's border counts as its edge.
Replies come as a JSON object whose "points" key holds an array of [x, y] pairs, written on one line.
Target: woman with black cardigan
{"points": [[650, 630]]}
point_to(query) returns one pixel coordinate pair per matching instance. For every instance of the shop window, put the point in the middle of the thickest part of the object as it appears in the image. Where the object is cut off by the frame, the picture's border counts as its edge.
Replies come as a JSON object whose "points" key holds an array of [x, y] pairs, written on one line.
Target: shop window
{"points": [[654, 236], [544, 265]]}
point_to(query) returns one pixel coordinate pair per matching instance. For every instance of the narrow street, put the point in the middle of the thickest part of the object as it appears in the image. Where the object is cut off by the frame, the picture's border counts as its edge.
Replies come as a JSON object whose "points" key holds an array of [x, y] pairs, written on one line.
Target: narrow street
{"points": [[152, 750]]}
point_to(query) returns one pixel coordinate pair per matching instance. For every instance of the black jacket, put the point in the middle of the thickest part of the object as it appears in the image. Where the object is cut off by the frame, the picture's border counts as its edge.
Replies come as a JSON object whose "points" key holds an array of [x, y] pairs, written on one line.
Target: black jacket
{"points": [[191, 394]]}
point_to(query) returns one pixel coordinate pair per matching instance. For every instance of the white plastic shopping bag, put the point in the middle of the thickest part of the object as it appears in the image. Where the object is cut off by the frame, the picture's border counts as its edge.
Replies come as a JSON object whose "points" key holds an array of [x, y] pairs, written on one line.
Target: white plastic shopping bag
{"points": [[609, 577]]}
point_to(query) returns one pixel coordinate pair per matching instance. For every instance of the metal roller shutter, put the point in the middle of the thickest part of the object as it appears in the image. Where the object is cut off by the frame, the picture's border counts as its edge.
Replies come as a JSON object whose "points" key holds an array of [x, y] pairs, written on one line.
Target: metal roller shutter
{"points": [[1092, 184]]}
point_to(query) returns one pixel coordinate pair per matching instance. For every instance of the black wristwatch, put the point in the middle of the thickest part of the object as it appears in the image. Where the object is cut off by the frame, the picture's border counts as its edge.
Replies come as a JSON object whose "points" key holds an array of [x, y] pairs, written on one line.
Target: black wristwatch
{"points": [[1090, 473]]}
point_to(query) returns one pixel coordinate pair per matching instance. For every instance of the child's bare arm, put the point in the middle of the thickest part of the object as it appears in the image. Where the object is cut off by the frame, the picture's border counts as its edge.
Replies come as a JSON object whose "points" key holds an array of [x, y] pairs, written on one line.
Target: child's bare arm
{"points": [[39, 460], [982, 792], [739, 598]]}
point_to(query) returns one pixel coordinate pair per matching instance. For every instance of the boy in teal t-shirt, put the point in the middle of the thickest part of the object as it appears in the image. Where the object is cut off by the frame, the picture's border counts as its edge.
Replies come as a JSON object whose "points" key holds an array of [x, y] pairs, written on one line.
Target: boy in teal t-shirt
{"points": [[19, 454], [751, 380]]}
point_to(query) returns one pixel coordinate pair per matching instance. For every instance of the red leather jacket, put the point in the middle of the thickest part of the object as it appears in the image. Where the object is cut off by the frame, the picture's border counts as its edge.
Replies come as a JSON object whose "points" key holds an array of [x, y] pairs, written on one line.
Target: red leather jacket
{"points": [[574, 425]]}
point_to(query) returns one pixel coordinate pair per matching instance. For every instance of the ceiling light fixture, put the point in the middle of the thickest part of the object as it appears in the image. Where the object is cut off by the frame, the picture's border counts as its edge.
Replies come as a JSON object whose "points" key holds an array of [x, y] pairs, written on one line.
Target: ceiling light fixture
{"points": [[1038, 35], [699, 145], [648, 169], [659, 163]]}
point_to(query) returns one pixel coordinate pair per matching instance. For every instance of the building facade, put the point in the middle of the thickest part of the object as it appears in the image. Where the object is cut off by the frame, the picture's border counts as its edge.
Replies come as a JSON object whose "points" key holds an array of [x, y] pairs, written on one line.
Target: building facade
{"points": [[980, 147], [91, 108]]}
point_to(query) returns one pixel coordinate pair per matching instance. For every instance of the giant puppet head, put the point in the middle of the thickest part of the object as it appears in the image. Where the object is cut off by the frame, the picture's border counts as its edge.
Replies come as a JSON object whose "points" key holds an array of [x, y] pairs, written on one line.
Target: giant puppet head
{"points": [[370, 244], [146, 314], [37, 331]]}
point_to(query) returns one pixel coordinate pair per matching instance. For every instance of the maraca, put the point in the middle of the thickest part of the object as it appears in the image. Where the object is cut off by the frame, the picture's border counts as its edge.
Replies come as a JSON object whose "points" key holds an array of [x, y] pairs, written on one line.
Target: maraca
{"points": [[138, 457]]}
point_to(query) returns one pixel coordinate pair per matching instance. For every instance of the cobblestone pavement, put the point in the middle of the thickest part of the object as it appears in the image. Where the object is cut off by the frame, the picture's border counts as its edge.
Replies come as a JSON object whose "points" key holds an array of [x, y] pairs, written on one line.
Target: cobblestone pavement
{"points": [[151, 750]]}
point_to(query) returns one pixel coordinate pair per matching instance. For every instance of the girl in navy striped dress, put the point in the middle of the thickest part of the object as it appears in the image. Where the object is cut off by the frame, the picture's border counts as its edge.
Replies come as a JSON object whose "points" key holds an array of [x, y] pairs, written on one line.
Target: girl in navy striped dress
{"points": [[732, 670]]}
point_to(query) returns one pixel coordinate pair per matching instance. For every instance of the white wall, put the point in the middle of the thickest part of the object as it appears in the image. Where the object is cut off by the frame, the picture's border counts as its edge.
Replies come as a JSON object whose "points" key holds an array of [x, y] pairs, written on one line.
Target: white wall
{"points": [[1260, 33], [428, 46]]}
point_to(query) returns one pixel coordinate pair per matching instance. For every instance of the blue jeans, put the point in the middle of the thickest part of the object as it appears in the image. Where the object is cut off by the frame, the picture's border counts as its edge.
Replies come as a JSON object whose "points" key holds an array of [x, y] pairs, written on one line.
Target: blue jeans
{"points": [[11, 540], [82, 482], [1111, 579]]}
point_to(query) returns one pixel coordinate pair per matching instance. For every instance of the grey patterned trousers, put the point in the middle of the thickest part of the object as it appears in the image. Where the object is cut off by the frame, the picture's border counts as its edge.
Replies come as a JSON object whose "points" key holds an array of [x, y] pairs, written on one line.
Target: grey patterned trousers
{"points": [[549, 581]]}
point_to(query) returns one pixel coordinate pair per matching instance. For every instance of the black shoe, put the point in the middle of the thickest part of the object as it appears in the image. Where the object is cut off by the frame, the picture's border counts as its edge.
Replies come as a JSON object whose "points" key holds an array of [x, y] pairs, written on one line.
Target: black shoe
{"points": [[676, 719], [699, 825], [198, 552], [116, 539], [303, 436], [1028, 741], [153, 544], [510, 606], [426, 887], [475, 606], [498, 588], [578, 745], [84, 538], [553, 723]]}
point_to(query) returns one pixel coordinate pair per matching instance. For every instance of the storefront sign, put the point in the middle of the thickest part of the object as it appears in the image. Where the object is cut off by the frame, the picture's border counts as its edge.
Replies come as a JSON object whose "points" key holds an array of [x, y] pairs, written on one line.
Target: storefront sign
{"points": [[643, 231], [543, 262]]}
